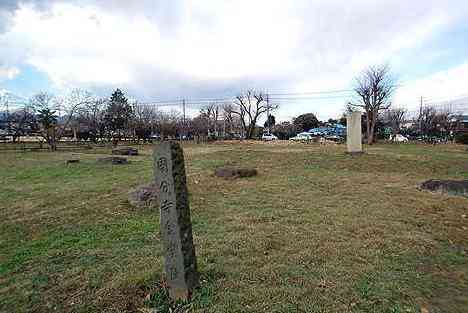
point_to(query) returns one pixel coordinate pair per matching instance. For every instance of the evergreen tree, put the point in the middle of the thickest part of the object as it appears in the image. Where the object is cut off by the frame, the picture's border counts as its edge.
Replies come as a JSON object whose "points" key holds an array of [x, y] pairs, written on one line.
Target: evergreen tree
{"points": [[306, 121], [118, 115], [48, 120], [270, 122]]}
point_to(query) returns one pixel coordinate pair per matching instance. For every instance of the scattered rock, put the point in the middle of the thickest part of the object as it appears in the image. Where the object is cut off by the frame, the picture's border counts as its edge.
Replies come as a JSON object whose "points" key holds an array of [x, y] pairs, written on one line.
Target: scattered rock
{"points": [[233, 172], [113, 160], [424, 310], [144, 196], [125, 151], [73, 161], [453, 187]]}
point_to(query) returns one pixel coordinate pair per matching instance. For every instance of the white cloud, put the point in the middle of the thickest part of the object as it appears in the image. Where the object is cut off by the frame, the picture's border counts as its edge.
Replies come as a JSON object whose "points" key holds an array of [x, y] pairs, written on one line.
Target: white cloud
{"points": [[435, 89], [209, 48], [7, 72]]}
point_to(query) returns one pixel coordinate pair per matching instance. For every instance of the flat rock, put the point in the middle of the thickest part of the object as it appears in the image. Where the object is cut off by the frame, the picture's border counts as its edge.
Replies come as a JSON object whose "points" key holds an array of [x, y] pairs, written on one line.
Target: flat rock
{"points": [[125, 151], [143, 196], [113, 160], [452, 187], [234, 172], [70, 161]]}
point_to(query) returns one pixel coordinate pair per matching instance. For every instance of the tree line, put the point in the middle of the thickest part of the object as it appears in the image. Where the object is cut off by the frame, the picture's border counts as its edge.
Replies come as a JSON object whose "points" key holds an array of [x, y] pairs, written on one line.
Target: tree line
{"points": [[81, 116]]}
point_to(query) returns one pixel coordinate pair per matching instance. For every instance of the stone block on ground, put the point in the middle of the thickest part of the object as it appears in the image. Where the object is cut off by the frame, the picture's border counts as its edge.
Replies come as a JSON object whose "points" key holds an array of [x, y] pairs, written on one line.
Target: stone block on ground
{"points": [[234, 172], [113, 160], [452, 187], [70, 161], [125, 151], [144, 196]]}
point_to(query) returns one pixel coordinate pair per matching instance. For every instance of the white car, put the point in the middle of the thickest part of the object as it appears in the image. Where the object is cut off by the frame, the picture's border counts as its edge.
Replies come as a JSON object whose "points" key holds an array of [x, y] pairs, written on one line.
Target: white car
{"points": [[269, 137], [301, 137], [399, 138]]}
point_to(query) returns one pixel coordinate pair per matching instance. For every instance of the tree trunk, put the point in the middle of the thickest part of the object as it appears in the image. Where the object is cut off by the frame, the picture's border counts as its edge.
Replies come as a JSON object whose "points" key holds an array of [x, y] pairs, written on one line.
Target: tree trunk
{"points": [[53, 145], [373, 121], [369, 139], [249, 132]]}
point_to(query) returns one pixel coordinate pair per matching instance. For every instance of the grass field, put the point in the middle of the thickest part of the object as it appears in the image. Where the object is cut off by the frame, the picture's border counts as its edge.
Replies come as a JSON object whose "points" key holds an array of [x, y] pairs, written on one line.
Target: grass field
{"points": [[315, 231]]}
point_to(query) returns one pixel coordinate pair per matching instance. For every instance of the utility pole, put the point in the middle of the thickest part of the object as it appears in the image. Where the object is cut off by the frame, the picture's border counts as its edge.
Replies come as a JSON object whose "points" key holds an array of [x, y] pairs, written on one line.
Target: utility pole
{"points": [[183, 125], [420, 114], [8, 121], [268, 112]]}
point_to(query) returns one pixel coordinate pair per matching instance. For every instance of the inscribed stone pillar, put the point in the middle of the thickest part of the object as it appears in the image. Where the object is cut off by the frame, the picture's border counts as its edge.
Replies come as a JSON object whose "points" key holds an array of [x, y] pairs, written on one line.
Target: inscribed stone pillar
{"points": [[354, 133], [180, 263]]}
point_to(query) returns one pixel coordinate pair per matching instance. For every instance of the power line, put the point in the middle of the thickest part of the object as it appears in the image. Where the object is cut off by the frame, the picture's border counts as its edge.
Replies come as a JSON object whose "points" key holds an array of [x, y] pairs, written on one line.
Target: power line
{"points": [[232, 97], [311, 92]]}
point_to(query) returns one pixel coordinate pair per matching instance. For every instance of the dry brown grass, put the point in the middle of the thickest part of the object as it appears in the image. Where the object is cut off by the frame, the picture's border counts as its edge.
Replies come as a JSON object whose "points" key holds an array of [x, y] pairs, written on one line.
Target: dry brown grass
{"points": [[315, 231]]}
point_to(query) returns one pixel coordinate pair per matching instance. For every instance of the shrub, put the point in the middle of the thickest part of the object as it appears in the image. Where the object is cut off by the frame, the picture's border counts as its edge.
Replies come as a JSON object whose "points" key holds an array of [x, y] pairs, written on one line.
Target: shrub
{"points": [[462, 138]]}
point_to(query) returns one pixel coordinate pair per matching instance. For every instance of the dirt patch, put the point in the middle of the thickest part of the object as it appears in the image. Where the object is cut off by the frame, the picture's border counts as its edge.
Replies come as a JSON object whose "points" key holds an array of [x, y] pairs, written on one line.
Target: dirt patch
{"points": [[125, 151], [453, 187], [234, 172], [113, 160]]}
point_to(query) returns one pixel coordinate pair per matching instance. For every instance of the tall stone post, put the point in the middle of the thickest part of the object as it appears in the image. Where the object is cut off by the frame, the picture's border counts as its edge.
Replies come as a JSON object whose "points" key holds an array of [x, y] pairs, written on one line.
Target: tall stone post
{"points": [[354, 133], [176, 228]]}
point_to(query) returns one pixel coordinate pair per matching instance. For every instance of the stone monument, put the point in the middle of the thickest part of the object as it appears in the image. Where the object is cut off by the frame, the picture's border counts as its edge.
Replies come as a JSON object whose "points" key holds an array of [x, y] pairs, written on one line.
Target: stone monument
{"points": [[354, 133], [176, 228]]}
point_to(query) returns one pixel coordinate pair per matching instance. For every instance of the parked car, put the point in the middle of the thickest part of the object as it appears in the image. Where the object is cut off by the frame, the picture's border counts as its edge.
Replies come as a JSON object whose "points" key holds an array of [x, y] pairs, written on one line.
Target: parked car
{"points": [[335, 138], [269, 137], [155, 137], [302, 137], [399, 138]]}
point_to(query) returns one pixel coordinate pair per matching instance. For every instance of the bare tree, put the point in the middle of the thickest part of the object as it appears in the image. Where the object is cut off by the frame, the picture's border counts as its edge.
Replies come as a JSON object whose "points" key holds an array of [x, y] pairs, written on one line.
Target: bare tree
{"points": [[228, 118], [394, 118], [249, 106], [198, 126], [374, 88], [55, 114], [21, 122], [90, 120], [232, 122], [433, 122], [211, 112], [145, 121], [169, 123]]}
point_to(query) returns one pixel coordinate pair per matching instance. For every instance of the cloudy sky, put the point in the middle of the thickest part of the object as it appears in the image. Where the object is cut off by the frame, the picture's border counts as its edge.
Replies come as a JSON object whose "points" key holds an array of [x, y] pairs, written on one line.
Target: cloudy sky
{"points": [[172, 49]]}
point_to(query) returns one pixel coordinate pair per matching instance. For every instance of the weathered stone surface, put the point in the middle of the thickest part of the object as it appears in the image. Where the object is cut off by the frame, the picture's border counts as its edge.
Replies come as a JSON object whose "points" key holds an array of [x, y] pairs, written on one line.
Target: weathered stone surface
{"points": [[125, 151], [453, 187], [144, 196], [354, 133], [234, 172], [176, 227], [113, 160]]}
